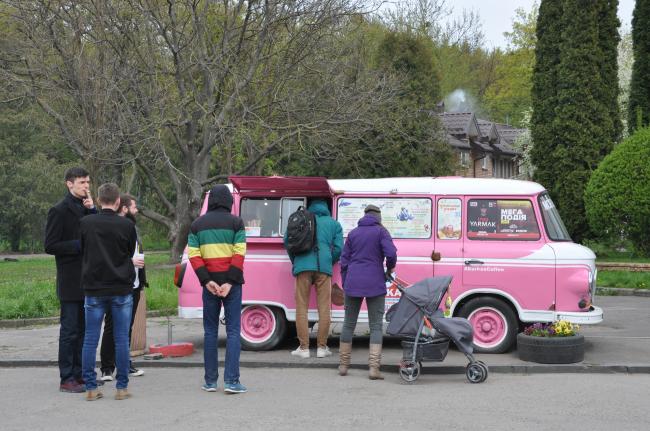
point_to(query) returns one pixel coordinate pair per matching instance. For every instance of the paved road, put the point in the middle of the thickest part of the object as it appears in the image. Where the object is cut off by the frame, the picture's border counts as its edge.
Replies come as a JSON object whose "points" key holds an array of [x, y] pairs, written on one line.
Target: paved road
{"points": [[622, 339], [293, 399]]}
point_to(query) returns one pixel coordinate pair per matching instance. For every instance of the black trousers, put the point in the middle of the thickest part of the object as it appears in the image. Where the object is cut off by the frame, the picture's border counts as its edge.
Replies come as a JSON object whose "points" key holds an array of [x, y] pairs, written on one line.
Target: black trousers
{"points": [[107, 351], [71, 339]]}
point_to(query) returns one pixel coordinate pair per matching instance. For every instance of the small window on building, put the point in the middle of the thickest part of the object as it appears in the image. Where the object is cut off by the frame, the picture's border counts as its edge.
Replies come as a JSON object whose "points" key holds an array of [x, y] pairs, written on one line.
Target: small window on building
{"points": [[464, 158]]}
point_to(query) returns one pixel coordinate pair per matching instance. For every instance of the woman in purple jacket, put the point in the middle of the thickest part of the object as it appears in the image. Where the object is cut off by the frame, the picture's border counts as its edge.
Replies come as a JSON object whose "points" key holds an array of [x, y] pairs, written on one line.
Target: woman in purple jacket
{"points": [[362, 271]]}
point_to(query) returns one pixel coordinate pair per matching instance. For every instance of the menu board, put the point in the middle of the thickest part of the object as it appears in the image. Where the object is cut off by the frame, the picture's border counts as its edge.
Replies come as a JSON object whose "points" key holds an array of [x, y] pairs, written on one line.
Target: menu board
{"points": [[501, 219], [403, 217]]}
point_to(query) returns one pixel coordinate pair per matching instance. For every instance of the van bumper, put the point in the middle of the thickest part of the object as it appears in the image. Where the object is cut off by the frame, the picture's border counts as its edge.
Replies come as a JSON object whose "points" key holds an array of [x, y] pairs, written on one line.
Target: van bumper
{"points": [[591, 317]]}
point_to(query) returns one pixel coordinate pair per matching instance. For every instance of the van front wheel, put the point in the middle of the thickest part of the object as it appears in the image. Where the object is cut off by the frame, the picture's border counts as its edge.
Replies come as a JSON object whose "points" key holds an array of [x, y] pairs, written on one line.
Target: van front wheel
{"points": [[262, 327], [493, 322]]}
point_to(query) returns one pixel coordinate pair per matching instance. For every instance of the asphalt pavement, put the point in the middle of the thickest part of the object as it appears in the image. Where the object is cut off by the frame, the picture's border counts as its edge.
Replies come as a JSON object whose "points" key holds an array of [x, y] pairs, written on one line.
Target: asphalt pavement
{"points": [[620, 344], [318, 399]]}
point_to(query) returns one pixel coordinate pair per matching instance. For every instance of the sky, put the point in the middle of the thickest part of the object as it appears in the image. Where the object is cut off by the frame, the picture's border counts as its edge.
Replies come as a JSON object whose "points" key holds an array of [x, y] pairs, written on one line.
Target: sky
{"points": [[497, 15]]}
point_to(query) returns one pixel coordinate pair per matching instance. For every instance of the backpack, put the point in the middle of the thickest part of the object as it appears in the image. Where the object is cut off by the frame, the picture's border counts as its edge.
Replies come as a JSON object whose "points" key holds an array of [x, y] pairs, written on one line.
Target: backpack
{"points": [[301, 232]]}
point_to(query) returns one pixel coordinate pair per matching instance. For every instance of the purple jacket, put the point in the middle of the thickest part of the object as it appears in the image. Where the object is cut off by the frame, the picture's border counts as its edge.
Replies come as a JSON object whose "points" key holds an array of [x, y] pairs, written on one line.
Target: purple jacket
{"points": [[363, 257]]}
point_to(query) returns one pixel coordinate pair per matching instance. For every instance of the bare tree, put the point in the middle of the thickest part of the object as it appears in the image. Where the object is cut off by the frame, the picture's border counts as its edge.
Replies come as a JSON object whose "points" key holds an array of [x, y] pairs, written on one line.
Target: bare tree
{"points": [[192, 90]]}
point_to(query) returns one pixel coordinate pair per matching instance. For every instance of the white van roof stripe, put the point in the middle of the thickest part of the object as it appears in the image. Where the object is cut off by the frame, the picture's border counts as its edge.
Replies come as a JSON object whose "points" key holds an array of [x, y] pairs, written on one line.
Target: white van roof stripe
{"points": [[438, 186]]}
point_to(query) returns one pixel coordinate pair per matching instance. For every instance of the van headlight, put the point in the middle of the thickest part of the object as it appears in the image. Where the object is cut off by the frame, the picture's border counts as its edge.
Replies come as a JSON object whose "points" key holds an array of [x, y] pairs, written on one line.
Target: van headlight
{"points": [[592, 283]]}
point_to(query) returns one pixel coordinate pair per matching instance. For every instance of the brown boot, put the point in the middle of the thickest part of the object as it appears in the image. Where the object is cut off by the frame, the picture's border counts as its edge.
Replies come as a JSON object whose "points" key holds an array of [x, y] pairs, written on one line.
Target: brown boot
{"points": [[374, 362], [122, 394], [345, 353], [93, 395]]}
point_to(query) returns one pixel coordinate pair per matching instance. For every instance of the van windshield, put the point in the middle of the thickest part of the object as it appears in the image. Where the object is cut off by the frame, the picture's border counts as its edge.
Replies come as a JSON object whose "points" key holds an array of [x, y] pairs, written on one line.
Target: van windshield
{"points": [[555, 228]]}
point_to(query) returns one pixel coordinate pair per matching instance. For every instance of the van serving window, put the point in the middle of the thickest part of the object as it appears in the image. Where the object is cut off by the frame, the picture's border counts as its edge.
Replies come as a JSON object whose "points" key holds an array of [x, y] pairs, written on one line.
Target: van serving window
{"points": [[403, 217], [268, 217], [501, 220]]}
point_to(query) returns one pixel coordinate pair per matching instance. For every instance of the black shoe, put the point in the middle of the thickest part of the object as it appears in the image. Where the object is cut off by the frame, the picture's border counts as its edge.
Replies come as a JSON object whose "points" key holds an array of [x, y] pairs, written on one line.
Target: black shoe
{"points": [[81, 381], [106, 377], [134, 372]]}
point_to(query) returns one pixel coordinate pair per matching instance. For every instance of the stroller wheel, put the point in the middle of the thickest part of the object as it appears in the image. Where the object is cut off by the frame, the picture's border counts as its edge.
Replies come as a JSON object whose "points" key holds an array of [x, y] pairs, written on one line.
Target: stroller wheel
{"points": [[476, 372], [485, 369], [409, 371]]}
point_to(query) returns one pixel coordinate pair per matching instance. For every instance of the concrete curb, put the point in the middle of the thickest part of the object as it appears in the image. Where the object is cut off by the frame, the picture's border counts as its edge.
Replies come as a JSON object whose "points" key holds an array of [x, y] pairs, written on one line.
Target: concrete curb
{"points": [[428, 368], [22, 323]]}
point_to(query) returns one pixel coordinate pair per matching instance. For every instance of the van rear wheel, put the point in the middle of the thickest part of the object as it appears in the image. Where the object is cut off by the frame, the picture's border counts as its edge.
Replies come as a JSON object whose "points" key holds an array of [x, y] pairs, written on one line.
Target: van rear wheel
{"points": [[494, 324], [262, 327]]}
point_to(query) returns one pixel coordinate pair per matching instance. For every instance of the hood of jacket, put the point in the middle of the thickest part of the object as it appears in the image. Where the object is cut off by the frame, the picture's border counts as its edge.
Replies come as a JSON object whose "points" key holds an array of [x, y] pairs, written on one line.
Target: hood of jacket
{"points": [[368, 220], [220, 197], [319, 208]]}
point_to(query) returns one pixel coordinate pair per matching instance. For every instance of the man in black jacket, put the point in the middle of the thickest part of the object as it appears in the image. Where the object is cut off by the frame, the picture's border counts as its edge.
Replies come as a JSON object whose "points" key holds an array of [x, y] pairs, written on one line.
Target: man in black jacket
{"points": [[128, 209], [62, 240], [107, 276]]}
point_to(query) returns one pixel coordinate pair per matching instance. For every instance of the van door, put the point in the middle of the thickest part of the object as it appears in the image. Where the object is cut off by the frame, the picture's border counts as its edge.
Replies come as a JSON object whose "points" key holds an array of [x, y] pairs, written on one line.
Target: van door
{"points": [[448, 250], [505, 254]]}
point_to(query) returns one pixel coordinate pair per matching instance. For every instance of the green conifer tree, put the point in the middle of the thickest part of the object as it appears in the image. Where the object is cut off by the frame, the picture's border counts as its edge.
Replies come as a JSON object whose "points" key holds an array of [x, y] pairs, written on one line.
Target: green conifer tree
{"points": [[582, 124], [639, 103], [544, 91], [608, 39]]}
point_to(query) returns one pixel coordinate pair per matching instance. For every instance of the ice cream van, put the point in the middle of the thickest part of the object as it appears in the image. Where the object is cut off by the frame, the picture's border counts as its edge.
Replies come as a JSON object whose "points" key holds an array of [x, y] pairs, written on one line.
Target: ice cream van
{"points": [[503, 241]]}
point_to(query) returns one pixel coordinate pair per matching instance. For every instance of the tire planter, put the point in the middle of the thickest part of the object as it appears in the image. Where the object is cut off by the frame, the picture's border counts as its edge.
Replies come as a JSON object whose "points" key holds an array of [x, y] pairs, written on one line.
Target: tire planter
{"points": [[551, 350]]}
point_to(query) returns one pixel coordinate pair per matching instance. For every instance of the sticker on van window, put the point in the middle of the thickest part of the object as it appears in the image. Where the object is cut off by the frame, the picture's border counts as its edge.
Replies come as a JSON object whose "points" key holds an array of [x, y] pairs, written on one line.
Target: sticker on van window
{"points": [[501, 219], [449, 218], [403, 217]]}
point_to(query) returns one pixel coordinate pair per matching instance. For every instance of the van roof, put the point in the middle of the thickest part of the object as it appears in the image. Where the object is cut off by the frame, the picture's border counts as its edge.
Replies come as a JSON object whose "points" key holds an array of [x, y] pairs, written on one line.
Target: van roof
{"points": [[438, 186]]}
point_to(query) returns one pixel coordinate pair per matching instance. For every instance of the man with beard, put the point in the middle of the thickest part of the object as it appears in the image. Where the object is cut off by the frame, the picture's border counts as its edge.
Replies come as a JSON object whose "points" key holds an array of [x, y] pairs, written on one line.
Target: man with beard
{"points": [[128, 208], [62, 239]]}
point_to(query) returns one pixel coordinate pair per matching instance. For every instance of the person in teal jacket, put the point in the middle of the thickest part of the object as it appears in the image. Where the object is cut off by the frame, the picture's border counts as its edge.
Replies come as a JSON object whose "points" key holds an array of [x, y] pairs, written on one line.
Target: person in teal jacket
{"points": [[310, 269]]}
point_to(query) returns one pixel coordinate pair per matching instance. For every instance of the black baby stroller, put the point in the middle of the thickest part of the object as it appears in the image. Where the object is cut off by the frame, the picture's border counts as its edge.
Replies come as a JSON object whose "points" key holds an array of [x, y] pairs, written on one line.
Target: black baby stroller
{"points": [[417, 309]]}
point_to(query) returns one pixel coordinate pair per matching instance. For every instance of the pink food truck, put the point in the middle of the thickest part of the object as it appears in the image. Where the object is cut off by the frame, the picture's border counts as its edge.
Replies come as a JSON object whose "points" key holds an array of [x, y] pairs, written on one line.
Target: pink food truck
{"points": [[503, 241]]}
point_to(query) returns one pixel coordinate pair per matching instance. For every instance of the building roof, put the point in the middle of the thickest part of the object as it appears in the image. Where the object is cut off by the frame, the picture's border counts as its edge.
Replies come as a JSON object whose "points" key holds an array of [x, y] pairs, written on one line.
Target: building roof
{"points": [[438, 186], [460, 123], [458, 143]]}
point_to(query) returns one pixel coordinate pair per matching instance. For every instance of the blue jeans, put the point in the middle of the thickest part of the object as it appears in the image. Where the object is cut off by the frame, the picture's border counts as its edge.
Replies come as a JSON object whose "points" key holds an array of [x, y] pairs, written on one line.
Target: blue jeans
{"points": [[120, 308], [232, 310]]}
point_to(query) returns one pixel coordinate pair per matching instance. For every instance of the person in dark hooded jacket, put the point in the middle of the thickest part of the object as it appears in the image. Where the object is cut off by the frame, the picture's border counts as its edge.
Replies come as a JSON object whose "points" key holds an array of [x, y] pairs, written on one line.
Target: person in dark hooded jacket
{"points": [[216, 248], [362, 272]]}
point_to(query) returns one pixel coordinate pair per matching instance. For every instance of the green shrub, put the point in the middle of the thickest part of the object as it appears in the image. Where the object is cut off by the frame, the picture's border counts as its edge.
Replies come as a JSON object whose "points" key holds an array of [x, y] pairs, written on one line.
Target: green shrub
{"points": [[617, 197]]}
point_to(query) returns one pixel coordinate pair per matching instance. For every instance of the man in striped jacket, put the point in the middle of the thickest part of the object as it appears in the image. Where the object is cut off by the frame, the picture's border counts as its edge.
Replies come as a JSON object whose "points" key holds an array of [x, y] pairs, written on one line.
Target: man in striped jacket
{"points": [[216, 246]]}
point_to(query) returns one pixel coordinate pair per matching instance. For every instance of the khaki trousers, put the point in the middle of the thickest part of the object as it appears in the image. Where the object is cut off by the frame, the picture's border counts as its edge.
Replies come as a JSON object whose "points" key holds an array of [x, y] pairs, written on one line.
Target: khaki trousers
{"points": [[323, 285]]}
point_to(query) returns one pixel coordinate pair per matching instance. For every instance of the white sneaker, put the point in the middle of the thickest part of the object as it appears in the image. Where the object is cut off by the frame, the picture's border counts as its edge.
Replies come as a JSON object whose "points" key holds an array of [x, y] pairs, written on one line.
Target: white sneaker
{"points": [[323, 352], [107, 377], [301, 353]]}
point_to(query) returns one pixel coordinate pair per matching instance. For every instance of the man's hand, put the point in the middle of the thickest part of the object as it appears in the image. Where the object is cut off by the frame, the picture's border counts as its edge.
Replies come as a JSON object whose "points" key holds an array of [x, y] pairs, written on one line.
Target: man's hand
{"points": [[224, 289], [138, 262], [212, 287], [88, 201]]}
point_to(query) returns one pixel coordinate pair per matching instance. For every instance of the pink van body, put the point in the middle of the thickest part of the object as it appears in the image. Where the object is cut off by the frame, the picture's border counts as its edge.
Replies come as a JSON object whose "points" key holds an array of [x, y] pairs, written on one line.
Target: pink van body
{"points": [[489, 234]]}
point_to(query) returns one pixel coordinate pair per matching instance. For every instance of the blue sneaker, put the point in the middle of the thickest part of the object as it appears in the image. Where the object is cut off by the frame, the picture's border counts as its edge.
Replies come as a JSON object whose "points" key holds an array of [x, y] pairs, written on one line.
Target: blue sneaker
{"points": [[234, 388], [209, 387]]}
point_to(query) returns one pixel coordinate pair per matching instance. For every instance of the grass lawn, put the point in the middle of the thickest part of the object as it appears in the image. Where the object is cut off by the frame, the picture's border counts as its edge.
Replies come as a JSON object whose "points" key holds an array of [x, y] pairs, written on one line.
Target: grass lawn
{"points": [[633, 280], [27, 287]]}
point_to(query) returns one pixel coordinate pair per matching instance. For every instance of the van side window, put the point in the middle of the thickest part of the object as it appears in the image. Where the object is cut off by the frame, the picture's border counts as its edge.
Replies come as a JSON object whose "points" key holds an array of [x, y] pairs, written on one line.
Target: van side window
{"points": [[449, 218], [403, 217], [507, 219], [268, 217]]}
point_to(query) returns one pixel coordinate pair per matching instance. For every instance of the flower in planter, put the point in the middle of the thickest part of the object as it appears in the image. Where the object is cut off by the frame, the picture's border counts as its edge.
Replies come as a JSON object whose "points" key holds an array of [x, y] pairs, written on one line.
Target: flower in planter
{"points": [[560, 328]]}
